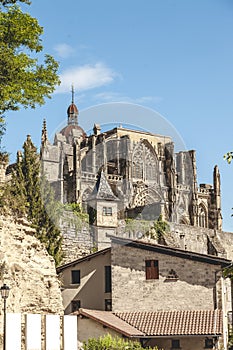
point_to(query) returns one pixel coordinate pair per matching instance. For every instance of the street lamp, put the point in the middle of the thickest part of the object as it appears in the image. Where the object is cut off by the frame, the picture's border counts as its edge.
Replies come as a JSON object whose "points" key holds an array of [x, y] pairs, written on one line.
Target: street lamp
{"points": [[5, 290]]}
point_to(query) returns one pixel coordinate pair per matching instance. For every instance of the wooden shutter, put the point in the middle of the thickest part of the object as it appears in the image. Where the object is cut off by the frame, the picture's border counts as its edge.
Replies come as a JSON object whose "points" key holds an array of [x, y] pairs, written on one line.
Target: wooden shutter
{"points": [[152, 269]]}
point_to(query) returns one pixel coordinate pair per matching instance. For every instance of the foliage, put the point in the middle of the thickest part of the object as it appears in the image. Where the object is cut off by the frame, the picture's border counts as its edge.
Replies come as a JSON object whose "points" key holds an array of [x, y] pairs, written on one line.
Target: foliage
{"points": [[78, 219], [27, 76], [230, 339], [23, 80], [154, 230], [158, 230], [11, 2], [136, 225], [29, 194], [228, 157], [228, 271], [109, 343]]}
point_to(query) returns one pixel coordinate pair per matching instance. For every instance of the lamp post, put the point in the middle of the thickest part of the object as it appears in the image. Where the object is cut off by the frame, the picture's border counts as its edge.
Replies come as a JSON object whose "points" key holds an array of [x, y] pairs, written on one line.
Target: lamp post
{"points": [[4, 294]]}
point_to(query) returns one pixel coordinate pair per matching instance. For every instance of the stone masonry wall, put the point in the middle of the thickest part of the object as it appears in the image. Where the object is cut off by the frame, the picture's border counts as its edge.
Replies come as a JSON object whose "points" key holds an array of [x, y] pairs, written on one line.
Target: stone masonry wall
{"points": [[28, 270], [226, 239], [194, 289], [191, 238], [75, 243]]}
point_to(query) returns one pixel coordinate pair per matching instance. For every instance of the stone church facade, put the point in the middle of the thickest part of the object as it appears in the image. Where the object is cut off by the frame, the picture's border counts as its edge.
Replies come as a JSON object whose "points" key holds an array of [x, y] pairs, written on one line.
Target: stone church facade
{"points": [[144, 174]]}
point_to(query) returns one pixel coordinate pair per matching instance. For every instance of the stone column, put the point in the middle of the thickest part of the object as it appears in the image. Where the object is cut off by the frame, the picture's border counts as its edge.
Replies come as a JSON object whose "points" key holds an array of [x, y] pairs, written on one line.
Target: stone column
{"points": [[217, 198], [105, 155], [93, 154]]}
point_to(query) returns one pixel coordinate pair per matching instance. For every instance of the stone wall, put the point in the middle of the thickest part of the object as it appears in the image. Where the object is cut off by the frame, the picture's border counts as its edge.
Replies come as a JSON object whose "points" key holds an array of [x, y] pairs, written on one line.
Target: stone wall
{"points": [[191, 238], [193, 290], [76, 243], [28, 270], [226, 239]]}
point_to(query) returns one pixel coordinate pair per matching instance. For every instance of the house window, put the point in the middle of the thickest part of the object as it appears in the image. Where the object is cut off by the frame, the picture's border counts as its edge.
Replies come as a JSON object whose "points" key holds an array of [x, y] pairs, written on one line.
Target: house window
{"points": [[75, 276], [209, 343], [108, 304], [152, 269], [75, 305], [107, 211], [108, 279], [175, 344]]}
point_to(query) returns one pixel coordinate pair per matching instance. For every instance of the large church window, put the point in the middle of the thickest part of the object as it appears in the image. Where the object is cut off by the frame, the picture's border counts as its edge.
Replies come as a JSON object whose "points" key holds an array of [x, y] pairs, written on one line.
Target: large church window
{"points": [[145, 163], [150, 170], [137, 170]]}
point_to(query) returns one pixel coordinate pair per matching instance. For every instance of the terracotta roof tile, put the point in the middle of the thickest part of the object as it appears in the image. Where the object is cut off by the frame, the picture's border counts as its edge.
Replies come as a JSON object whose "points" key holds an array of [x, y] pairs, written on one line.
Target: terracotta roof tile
{"points": [[110, 320], [160, 323], [165, 323]]}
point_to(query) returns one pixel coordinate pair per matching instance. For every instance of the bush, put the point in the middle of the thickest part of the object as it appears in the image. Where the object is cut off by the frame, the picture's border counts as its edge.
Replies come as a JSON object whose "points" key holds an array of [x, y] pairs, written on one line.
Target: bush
{"points": [[109, 343]]}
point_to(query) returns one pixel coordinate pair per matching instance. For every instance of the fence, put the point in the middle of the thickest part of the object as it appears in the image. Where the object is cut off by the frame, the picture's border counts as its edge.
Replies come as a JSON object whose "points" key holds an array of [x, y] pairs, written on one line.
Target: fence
{"points": [[41, 332]]}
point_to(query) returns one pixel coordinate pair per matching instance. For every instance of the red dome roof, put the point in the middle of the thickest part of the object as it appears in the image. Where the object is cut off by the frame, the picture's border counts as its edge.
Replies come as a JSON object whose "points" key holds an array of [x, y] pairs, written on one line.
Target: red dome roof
{"points": [[72, 109]]}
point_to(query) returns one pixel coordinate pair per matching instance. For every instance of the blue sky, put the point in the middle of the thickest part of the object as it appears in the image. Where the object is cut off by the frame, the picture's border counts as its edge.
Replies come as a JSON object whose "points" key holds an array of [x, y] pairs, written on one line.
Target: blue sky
{"points": [[174, 57]]}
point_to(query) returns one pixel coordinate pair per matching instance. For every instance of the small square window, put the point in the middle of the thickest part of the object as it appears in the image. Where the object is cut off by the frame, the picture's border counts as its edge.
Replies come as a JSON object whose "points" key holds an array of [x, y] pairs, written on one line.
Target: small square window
{"points": [[75, 276], [75, 305], [107, 211], [175, 344], [209, 343], [108, 304]]}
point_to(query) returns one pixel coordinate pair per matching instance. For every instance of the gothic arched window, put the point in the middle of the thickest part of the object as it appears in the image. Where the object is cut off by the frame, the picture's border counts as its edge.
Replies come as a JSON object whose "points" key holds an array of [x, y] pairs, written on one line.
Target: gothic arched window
{"points": [[145, 162], [202, 217]]}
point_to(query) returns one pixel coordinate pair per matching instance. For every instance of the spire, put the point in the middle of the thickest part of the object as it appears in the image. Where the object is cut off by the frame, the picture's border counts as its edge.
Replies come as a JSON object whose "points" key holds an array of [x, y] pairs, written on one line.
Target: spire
{"points": [[72, 91], [44, 135], [102, 190], [72, 111]]}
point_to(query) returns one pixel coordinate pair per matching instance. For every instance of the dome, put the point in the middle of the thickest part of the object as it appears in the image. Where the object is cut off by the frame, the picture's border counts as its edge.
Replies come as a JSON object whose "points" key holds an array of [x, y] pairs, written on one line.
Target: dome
{"points": [[72, 109], [72, 113], [70, 131]]}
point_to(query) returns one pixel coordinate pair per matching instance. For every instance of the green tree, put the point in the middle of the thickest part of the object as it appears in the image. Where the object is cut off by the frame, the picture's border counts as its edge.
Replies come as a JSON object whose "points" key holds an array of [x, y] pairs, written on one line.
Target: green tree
{"points": [[158, 230], [109, 343], [27, 76], [30, 194], [23, 80], [11, 2]]}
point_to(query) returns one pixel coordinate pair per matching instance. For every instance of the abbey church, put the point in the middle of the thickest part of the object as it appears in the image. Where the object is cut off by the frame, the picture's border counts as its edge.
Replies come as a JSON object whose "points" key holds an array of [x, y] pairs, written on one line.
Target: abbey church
{"points": [[143, 176], [116, 277]]}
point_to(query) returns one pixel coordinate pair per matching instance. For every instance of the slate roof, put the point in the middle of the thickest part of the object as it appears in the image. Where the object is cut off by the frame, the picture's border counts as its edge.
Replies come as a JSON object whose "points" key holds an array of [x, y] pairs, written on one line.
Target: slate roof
{"points": [[160, 323], [102, 190]]}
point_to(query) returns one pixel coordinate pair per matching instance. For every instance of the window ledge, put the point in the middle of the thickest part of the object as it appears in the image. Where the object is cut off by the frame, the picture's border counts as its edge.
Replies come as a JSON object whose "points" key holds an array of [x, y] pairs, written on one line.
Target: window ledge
{"points": [[74, 285], [171, 279]]}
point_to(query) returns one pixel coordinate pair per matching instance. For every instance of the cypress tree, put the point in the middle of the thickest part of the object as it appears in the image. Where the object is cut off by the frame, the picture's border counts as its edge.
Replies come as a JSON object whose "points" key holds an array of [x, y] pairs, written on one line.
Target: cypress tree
{"points": [[30, 194]]}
